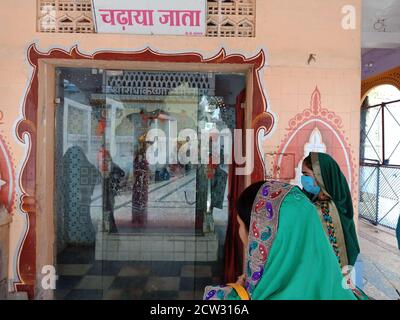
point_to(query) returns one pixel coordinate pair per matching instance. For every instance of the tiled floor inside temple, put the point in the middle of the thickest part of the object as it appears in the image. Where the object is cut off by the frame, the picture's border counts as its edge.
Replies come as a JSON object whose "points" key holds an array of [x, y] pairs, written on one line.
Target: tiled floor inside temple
{"points": [[81, 277]]}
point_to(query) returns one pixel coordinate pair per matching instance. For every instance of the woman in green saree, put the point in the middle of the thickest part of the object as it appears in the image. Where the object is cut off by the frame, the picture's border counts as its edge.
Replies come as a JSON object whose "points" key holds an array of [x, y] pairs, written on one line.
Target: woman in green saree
{"points": [[288, 255], [328, 189]]}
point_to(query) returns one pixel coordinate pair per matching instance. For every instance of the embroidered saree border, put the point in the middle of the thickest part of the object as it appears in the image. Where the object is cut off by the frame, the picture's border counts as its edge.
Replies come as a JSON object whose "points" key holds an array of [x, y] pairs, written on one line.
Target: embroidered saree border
{"points": [[333, 212]]}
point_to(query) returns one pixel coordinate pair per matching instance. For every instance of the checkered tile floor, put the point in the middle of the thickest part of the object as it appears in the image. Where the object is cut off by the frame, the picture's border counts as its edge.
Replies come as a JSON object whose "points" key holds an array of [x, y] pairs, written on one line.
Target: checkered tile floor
{"points": [[83, 278]]}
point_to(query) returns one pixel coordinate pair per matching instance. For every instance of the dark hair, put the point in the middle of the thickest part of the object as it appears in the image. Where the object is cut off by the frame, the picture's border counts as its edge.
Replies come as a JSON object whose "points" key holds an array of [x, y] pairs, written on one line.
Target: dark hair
{"points": [[307, 162], [245, 202]]}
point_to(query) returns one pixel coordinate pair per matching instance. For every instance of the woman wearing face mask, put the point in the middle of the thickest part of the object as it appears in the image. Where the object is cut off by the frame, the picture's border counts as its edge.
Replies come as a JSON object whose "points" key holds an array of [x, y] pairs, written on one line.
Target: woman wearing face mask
{"points": [[328, 189], [287, 253]]}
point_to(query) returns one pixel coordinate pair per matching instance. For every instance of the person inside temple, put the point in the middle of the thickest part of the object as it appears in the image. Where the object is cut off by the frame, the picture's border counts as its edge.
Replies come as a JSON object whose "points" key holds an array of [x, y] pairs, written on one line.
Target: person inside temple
{"points": [[112, 175]]}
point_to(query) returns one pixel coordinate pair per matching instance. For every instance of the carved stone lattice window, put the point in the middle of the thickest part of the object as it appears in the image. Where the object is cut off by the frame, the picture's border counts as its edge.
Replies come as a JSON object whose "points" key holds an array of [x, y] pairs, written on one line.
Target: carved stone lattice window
{"points": [[75, 16], [66, 5], [212, 28], [240, 15], [246, 8], [245, 29], [228, 29], [84, 25], [228, 8], [66, 24], [83, 5], [213, 7], [65, 16], [47, 6]]}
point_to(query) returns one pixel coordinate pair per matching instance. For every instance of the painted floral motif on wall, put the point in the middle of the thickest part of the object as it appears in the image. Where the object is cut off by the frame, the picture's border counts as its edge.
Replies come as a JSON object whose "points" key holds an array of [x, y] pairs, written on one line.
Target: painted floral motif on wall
{"points": [[315, 129]]}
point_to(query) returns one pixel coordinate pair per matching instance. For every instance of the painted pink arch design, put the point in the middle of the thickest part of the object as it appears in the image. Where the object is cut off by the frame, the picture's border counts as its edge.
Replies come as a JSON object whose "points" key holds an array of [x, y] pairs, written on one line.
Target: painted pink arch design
{"points": [[300, 127]]}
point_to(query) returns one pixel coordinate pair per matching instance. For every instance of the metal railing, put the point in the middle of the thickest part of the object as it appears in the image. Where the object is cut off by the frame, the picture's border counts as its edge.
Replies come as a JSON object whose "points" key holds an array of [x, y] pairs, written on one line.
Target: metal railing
{"points": [[379, 196], [379, 200]]}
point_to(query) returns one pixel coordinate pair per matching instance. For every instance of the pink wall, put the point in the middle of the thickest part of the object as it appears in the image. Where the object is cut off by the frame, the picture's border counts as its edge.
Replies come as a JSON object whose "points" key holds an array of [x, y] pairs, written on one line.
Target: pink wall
{"points": [[287, 30]]}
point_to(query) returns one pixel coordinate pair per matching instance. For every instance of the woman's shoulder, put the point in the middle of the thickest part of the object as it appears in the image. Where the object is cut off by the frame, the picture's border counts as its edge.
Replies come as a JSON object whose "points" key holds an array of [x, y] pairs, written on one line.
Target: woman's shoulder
{"points": [[297, 196], [297, 206]]}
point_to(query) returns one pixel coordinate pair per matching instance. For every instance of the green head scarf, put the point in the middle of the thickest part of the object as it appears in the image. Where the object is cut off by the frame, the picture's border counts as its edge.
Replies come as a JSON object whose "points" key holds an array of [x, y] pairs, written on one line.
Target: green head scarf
{"points": [[333, 183]]}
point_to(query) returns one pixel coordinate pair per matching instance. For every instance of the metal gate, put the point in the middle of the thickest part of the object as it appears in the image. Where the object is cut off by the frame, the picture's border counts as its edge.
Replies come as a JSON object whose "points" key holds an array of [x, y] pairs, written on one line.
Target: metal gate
{"points": [[379, 200]]}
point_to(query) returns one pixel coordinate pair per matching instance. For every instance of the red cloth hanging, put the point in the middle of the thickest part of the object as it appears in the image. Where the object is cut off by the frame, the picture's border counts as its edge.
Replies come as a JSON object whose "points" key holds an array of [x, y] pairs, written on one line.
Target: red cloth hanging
{"points": [[233, 246]]}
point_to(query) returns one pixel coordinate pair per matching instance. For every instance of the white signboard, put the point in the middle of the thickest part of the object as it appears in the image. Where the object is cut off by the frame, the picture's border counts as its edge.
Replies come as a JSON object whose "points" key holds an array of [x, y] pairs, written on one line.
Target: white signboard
{"points": [[162, 17]]}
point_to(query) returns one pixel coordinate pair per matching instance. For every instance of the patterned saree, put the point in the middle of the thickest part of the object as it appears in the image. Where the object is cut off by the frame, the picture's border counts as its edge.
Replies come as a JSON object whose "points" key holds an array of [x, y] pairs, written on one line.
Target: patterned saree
{"points": [[289, 256], [337, 213]]}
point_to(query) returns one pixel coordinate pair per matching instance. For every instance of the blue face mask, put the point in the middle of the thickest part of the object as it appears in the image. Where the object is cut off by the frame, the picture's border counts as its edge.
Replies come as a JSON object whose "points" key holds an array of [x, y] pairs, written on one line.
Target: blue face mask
{"points": [[309, 185]]}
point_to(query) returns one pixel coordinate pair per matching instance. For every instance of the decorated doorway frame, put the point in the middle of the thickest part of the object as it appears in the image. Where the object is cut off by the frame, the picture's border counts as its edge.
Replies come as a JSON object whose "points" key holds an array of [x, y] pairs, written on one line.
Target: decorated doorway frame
{"points": [[36, 177]]}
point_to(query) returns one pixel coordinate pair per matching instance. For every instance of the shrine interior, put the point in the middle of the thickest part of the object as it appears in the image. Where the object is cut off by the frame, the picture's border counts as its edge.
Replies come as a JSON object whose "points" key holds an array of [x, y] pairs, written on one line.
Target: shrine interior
{"points": [[113, 206]]}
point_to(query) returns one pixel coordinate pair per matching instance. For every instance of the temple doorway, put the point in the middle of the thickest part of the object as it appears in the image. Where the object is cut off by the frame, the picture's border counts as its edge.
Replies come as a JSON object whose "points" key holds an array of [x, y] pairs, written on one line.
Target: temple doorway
{"points": [[128, 228]]}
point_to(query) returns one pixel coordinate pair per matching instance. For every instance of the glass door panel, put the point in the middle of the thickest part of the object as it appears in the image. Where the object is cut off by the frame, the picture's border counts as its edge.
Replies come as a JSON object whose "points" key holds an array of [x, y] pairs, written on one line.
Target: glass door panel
{"points": [[153, 210], [156, 195], [78, 185]]}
